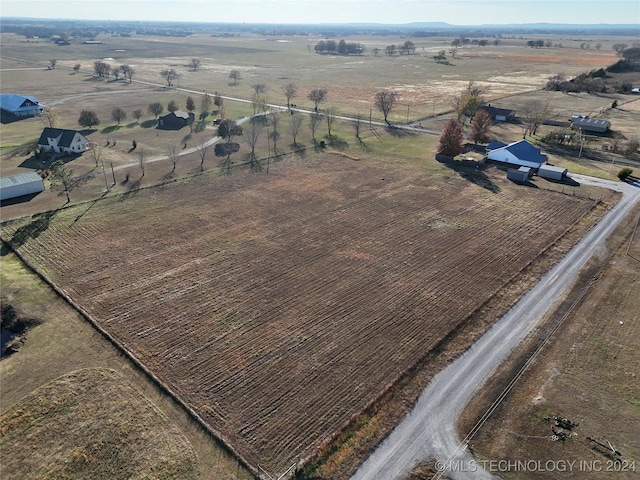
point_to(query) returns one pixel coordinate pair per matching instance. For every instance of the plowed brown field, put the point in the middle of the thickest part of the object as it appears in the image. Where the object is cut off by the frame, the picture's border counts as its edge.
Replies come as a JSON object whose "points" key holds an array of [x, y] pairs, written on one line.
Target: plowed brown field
{"points": [[279, 306]]}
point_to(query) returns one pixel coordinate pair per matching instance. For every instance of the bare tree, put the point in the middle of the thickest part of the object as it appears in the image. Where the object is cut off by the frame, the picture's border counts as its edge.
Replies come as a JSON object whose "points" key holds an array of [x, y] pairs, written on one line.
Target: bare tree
{"points": [[533, 114], [206, 103], [142, 162], [227, 130], [259, 88], [294, 127], [202, 152], [76, 68], [172, 106], [194, 64], [314, 121], [172, 153], [137, 114], [317, 96], [155, 109], [257, 102], [101, 69], [52, 63], [127, 71], [385, 100], [49, 117], [330, 116], [253, 134], [274, 122], [290, 91], [96, 152], [235, 76], [357, 125], [62, 178], [170, 76], [218, 101], [118, 114]]}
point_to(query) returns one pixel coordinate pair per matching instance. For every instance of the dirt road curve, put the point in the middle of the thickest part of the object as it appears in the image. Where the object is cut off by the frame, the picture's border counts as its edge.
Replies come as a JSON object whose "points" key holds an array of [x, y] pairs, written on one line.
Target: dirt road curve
{"points": [[429, 431]]}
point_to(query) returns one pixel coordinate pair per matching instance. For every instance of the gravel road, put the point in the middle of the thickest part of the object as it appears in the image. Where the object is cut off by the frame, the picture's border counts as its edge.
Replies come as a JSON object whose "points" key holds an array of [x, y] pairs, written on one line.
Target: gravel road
{"points": [[428, 431]]}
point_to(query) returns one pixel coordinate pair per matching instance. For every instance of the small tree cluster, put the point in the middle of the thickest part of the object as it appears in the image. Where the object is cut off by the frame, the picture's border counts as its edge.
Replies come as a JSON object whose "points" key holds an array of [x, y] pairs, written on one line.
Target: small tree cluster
{"points": [[101, 69], [338, 48]]}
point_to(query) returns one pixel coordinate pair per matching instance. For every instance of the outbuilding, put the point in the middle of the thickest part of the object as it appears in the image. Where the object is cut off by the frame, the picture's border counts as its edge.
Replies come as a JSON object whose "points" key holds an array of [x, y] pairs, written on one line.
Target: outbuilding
{"points": [[586, 124], [521, 175], [176, 120], [552, 172], [19, 185], [20, 105]]}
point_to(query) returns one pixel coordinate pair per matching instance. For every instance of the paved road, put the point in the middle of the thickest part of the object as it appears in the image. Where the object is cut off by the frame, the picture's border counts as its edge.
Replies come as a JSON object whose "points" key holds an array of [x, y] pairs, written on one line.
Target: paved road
{"points": [[429, 431]]}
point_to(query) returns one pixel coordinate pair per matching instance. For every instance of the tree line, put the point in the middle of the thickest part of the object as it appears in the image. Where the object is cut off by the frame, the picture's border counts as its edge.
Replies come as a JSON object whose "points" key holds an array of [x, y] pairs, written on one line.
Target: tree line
{"points": [[338, 48]]}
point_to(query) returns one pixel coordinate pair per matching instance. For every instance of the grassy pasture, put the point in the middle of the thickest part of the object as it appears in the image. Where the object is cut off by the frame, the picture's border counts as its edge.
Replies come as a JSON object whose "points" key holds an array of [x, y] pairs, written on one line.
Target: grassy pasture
{"points": [[277, 337], [92, 424]]}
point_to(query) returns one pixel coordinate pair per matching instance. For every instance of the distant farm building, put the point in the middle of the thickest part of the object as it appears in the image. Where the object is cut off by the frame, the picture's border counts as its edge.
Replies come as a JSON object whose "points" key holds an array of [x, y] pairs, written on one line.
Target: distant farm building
{"points": [[499, 114], [520, 153], [176, 120], [586, 124], [520, 175], [19, 185], [552, 173], [20, 105], [58, 140], [92, 42]]}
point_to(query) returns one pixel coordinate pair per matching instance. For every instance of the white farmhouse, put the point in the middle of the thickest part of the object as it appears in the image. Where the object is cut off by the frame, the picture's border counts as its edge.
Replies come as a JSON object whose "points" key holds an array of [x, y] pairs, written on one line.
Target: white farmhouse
{"points": [[59, 140], [520, 153]]}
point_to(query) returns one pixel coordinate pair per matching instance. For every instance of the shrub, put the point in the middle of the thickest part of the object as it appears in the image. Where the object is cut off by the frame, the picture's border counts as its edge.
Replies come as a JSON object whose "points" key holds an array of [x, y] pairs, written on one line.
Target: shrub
{"points": [[624, 174]]}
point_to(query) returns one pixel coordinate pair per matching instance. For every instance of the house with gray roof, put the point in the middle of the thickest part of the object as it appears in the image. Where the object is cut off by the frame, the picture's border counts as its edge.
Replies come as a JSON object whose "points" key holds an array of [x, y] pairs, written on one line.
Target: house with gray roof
{"points": [[499, 114], [176, 120], [59, 140], [20, 105]]}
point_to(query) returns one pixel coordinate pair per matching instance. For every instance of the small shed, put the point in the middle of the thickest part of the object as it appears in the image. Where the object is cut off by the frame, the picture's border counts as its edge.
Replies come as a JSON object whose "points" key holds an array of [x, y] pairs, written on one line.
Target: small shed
{"points": [[19, 185], [552, 172], [521, 175]]}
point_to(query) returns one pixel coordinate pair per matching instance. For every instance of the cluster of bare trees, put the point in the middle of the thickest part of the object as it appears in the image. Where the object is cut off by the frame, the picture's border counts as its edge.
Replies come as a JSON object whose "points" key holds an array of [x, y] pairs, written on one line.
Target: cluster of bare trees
{"points": [[407, 48], [103, 69]]}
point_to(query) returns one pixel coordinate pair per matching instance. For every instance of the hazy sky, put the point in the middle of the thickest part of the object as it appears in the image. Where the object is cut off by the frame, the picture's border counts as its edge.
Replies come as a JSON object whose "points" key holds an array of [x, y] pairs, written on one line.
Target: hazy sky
{"points": [[457, 12]]}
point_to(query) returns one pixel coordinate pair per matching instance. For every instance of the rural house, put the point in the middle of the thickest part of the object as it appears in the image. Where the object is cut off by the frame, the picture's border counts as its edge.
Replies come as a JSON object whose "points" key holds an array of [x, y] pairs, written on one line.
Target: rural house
{"points": [[176, 120], [19, 185], [19, 105], [499, 114], [586, 124], [59, 140], [520, 153]]}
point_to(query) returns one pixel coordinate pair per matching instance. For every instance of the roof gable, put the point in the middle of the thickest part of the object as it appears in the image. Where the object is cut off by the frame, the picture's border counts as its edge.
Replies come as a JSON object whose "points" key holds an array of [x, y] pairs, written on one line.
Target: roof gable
{"points": [[525, 151], [14, 102], [65, 137], [497, 112]]}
